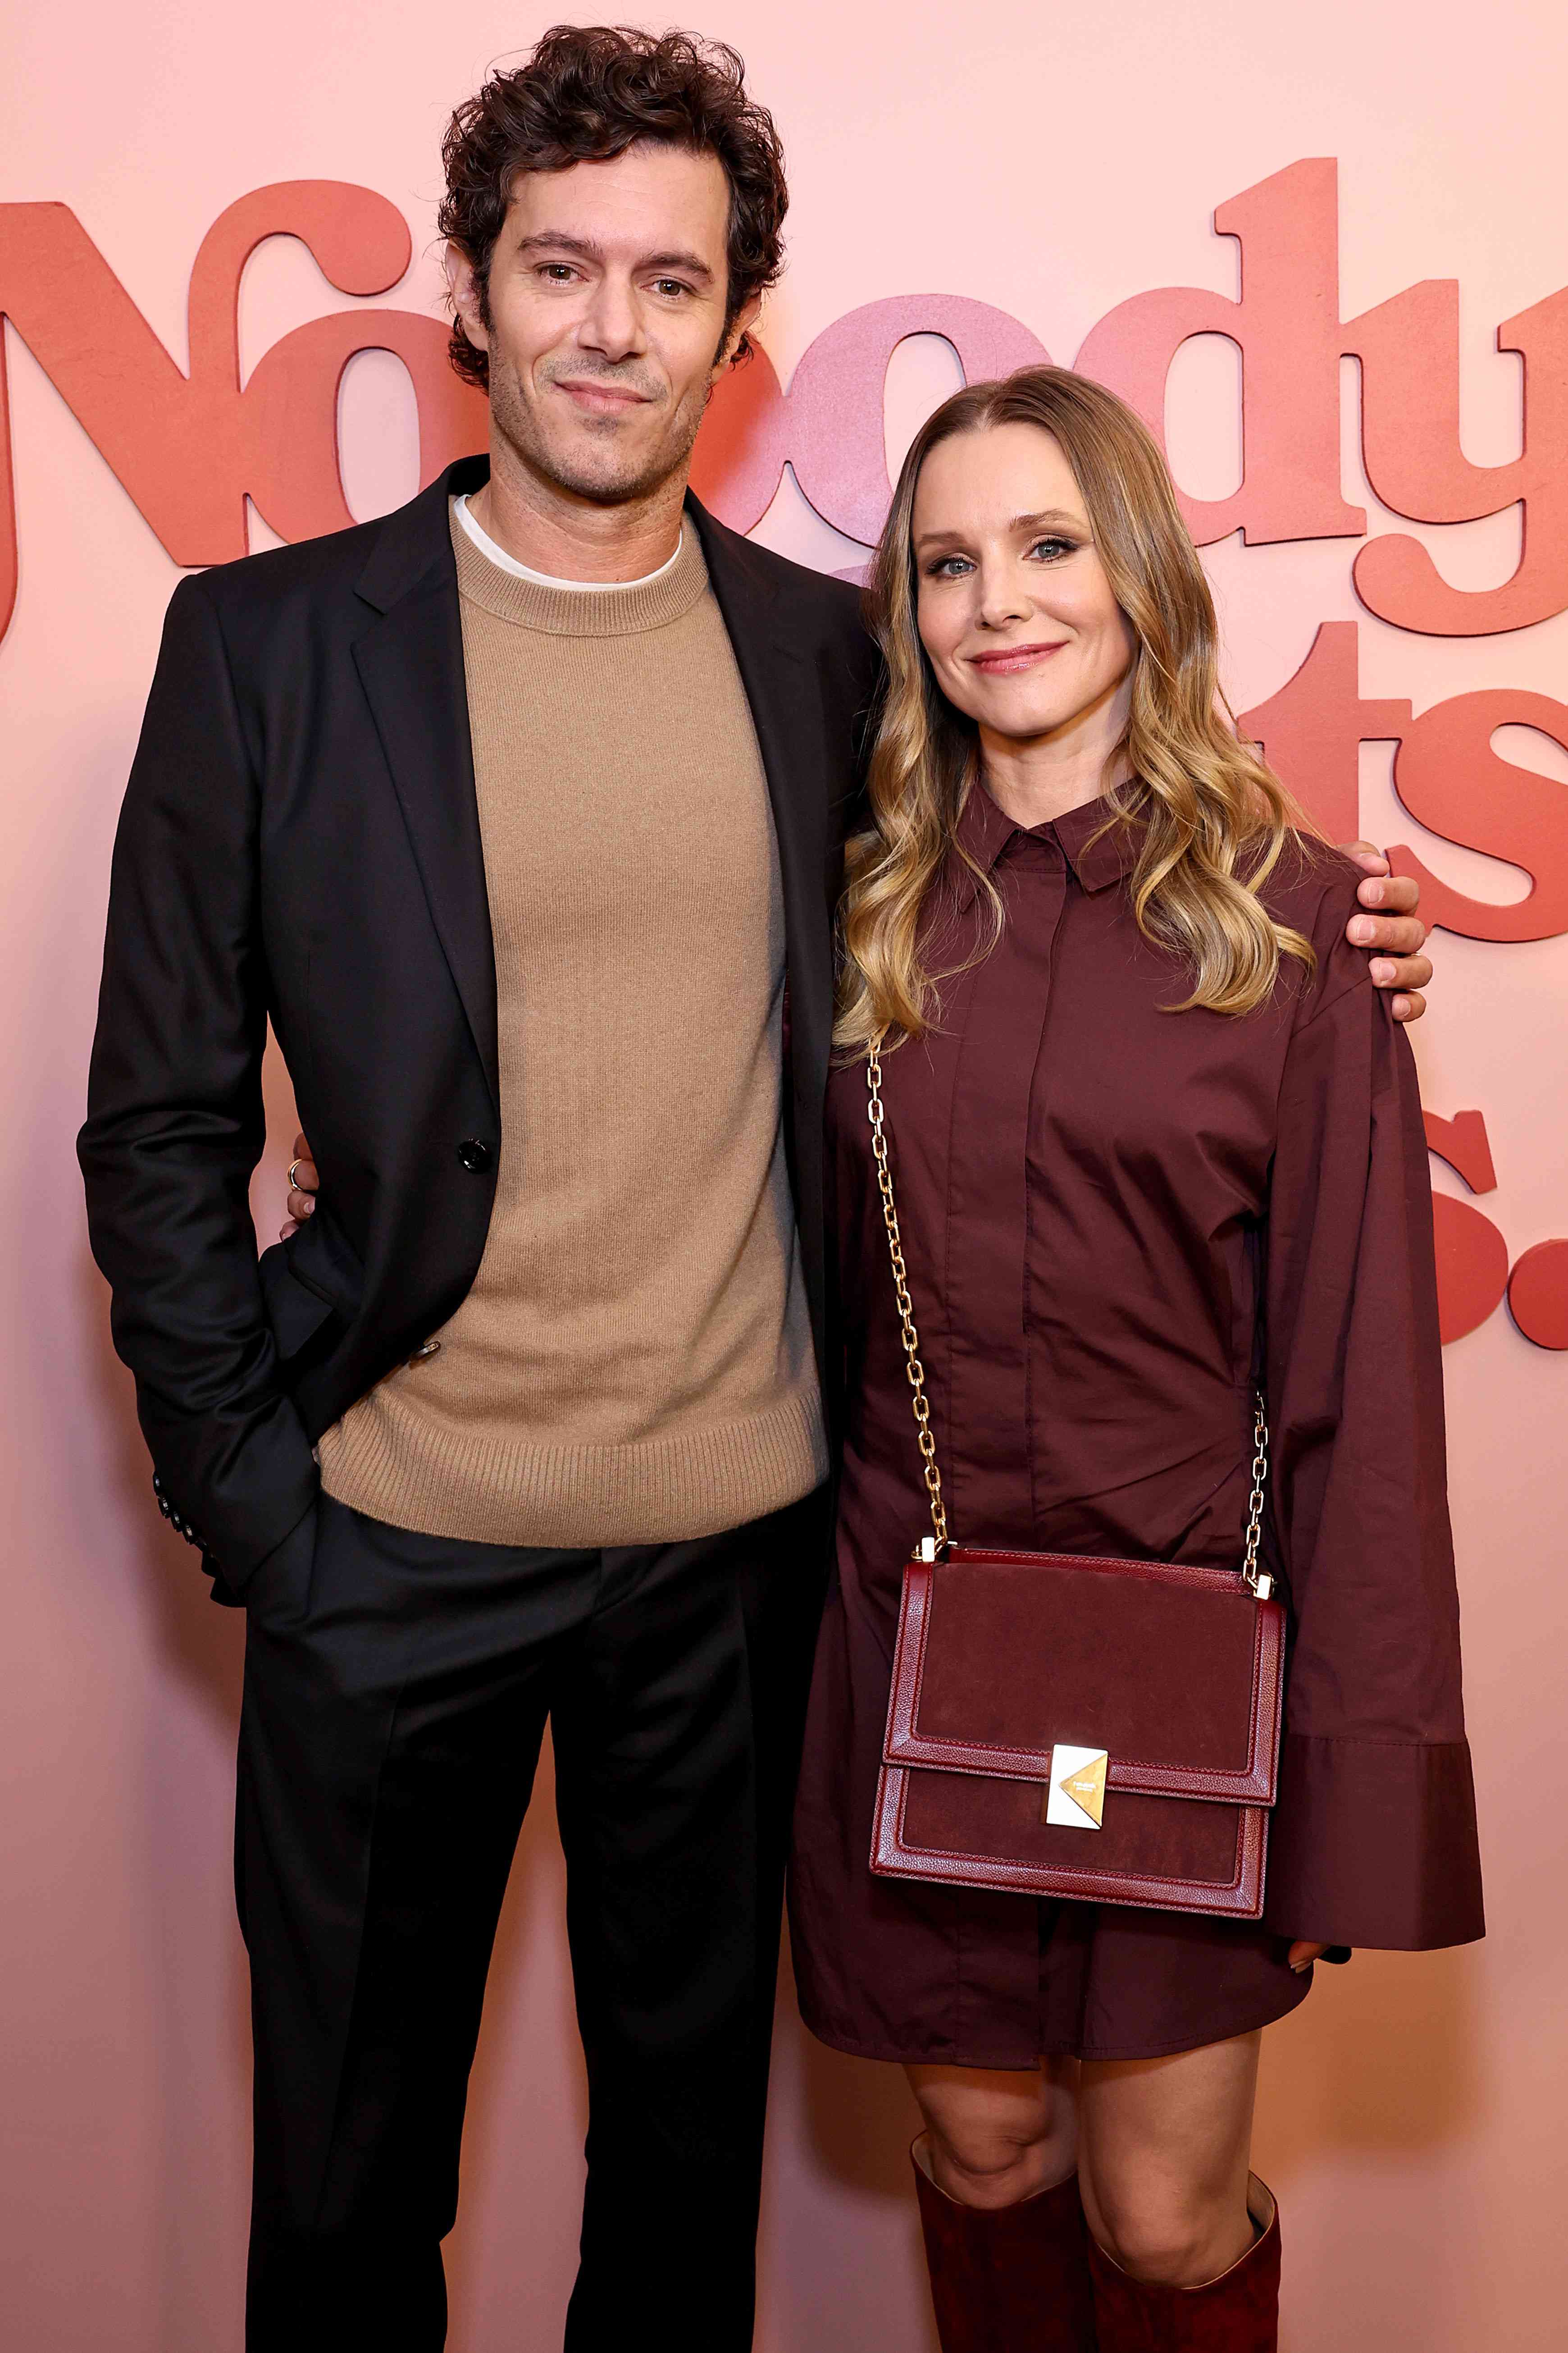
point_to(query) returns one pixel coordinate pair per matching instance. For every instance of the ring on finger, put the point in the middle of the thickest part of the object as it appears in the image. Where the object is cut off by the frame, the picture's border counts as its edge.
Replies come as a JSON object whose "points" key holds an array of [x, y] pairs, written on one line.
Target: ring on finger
{"points": [[294, 1184]]}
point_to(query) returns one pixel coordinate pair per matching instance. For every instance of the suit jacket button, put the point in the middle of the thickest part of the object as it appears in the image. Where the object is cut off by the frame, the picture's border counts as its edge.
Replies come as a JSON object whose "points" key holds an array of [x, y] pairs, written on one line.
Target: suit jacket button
{"points": [[475, 1156]]}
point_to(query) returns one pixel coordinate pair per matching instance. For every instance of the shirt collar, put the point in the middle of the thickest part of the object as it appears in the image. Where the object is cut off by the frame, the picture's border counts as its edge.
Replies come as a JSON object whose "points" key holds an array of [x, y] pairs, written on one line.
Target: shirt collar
{"points": [[1100, 852]]}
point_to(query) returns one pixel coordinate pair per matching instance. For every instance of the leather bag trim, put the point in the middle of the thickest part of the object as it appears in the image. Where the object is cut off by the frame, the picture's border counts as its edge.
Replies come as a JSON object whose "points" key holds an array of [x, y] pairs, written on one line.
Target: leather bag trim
{"points": [[1254, 1784], [1241, 1898]]}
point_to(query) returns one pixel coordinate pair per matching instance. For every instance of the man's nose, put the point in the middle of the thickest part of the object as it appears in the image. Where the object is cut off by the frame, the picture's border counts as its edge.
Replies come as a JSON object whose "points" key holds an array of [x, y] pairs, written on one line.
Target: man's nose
{"points": [[613, 321]]}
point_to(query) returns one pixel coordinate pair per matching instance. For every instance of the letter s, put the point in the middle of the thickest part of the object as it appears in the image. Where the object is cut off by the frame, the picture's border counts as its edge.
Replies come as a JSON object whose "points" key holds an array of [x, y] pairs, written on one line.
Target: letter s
{"points": [[1448, 776]]}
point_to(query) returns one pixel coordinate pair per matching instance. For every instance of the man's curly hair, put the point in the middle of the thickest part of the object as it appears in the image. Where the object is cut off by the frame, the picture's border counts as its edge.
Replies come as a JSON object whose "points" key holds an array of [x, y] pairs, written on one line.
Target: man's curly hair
{"points": [[588, 93]]}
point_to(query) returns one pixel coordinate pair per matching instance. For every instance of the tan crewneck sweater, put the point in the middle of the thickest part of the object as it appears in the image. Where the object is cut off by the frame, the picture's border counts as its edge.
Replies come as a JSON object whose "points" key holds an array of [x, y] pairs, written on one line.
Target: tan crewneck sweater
{"points": [[634, 1363]]}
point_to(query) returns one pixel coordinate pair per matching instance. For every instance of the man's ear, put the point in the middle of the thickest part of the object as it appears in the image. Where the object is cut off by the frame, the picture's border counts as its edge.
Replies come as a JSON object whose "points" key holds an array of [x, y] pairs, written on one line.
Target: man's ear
{"points": [[739, 325], [463, 286]]}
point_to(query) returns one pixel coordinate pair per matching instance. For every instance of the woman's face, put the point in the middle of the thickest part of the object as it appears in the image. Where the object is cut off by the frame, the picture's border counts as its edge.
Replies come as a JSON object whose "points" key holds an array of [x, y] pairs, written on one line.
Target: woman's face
{"points": [[1015, 610]]}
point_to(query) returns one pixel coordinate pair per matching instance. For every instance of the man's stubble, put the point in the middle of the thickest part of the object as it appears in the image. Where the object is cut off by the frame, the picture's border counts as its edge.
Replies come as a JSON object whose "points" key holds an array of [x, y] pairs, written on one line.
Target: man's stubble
{"points": [[617, 478]]}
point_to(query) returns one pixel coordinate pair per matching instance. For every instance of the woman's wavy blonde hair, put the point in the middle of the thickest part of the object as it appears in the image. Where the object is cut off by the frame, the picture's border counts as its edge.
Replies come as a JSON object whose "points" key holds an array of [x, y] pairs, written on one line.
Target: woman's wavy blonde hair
{"points": [[1212, 819]]}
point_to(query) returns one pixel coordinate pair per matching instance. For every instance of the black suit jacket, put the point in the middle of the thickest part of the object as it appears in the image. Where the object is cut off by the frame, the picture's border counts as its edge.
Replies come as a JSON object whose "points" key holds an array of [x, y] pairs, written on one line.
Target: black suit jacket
{"points": [[301, 841]]}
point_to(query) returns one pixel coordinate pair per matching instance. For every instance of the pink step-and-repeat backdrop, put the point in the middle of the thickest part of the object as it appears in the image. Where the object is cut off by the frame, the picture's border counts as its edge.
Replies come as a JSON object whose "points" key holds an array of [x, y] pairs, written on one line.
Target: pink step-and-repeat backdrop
{"points": [[1323, 251]]}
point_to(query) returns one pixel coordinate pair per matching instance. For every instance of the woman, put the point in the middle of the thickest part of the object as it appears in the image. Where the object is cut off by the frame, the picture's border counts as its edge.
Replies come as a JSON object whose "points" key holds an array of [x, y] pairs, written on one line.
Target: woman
{"points": [[1152, 1128], [1069, 843]]}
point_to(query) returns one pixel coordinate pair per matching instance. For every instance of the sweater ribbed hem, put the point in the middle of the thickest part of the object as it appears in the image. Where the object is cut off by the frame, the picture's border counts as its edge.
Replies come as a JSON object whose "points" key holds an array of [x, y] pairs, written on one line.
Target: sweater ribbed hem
{"points": [[451, 1481]]}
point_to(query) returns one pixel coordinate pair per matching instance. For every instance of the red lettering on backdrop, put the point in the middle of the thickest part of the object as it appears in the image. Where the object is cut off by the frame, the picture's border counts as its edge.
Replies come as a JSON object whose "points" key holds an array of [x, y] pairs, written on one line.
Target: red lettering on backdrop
{"points": [[1463, 1143], [188, 449], [1472, 1256], [1313, 729], [1288, 328], [1472, 1266], [1537, 1294], [1448, 776], [1410, 440], [1287, 324], [837, 434], [1445, 772]]}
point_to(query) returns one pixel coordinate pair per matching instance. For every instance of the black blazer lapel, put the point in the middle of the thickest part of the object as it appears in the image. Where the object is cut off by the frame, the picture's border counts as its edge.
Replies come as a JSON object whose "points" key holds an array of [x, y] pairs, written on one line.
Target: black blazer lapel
{"points": [[410, 663], [789, 714]]}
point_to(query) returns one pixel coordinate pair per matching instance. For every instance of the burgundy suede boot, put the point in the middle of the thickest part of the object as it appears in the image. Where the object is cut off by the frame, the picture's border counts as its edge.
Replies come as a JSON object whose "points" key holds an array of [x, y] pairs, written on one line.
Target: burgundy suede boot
{"points": [[1007, 2279], [1237, 2313]]}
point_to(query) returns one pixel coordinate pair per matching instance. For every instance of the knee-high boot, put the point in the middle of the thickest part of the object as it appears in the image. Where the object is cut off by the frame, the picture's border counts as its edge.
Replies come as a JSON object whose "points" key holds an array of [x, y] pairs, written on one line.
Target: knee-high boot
{"points": [[1237, 2313], [1007, 2279]]}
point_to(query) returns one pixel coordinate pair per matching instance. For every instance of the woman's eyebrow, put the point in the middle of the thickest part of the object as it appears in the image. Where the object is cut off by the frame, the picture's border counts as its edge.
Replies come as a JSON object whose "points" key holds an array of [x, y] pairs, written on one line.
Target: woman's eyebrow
{"points": [[1047, 517]]}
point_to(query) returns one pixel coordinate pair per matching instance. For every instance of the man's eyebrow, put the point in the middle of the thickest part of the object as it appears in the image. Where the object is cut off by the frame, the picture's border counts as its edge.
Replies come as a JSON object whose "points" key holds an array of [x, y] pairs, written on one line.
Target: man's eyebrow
{"points": [[692, 264], [561, 241]]}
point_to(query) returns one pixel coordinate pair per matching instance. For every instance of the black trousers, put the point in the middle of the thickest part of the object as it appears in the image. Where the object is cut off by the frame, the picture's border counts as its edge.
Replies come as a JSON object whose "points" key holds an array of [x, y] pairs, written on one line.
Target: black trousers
{"points": [[396, 1688]]}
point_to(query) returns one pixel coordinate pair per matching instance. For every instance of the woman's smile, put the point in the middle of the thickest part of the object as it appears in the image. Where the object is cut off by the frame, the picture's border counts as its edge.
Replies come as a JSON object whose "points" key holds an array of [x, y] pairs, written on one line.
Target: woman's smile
{"points": [[1003, 661]]}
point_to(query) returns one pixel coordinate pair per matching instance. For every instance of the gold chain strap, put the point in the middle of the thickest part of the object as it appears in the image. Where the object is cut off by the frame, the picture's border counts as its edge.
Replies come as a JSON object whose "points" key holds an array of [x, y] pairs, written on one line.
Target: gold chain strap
{"points": [[913, 1366], [1260, 1580], [1257, 1580]]}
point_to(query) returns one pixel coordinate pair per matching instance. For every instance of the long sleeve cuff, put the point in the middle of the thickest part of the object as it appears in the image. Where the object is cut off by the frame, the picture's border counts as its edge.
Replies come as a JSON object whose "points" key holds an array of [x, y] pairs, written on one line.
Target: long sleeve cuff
{"points": [[1373, 1843]]}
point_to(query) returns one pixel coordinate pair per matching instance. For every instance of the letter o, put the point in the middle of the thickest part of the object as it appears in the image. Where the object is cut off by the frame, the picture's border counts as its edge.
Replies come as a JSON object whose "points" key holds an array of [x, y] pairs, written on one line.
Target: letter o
{"points": [[1472, 1266], [1537, 1294], [837, 434], [290, 409]]}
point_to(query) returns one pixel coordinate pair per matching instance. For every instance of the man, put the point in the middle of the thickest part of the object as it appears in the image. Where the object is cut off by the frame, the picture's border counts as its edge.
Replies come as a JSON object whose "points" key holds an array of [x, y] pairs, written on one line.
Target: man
{"points": [[517, 812]]}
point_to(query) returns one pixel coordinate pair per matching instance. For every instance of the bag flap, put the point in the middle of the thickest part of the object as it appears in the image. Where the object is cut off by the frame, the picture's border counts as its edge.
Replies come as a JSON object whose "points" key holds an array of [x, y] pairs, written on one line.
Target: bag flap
{"points": [[1175, 1673]]}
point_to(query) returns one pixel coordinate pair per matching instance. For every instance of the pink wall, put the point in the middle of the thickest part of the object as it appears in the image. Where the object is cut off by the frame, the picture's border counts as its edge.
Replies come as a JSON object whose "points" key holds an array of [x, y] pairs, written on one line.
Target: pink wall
{"points": [[1052, 165]]}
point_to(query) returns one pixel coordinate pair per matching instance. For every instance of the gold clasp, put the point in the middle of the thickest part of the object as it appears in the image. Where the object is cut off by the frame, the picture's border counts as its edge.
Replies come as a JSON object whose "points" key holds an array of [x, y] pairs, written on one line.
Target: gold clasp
{"points": [[1074, 1795]]}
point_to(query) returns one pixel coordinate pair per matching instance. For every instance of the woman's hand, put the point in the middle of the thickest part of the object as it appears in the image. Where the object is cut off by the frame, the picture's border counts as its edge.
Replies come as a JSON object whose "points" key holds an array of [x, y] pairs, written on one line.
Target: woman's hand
{"points": [[303, 1185], [1302, 1955]]}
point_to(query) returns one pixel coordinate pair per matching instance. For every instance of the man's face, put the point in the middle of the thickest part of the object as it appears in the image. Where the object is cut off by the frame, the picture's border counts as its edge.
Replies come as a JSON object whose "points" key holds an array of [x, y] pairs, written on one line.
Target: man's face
{"points": [[607, 290]]}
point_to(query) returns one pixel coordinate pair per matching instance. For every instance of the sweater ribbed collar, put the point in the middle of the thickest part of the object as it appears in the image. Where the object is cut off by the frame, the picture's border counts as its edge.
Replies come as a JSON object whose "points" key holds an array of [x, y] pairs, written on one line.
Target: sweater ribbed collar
{"points": [[563, 612]]}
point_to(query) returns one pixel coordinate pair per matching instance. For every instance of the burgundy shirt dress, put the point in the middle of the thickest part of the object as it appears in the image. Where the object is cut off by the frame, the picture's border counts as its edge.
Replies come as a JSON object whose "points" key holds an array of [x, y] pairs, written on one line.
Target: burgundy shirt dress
{"points": [[1115, 1217]]}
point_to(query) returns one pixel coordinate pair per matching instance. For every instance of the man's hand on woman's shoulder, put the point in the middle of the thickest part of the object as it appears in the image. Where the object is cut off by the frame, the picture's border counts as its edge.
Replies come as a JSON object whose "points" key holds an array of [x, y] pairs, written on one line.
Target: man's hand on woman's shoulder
{"points": [[303, 1184], [1390, 930]]}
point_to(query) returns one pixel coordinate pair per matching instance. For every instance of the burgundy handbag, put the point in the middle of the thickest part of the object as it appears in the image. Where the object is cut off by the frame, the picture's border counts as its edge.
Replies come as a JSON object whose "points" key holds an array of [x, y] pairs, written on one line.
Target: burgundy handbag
{"points": [[1061, 1724]]}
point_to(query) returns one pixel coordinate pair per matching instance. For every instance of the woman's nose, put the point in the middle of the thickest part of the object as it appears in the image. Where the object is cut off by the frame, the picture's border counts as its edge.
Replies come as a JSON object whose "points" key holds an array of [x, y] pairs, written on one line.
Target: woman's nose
{"points": [[1003, 601]]}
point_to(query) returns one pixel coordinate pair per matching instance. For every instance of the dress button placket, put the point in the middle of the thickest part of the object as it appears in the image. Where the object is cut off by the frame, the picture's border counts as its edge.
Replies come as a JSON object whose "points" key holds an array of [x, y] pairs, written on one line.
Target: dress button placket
{"points": [[989, 1209]]}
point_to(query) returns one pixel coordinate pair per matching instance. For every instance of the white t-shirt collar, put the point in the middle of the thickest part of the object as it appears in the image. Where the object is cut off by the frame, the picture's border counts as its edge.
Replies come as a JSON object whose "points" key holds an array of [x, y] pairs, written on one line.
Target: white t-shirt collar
{"points": [[497, 554]]}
